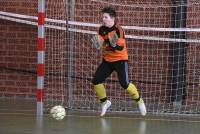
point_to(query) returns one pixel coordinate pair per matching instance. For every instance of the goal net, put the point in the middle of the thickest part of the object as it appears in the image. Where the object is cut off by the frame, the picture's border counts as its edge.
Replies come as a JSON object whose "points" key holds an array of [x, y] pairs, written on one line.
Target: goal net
{"points": [[56, 54], [163, 44]]}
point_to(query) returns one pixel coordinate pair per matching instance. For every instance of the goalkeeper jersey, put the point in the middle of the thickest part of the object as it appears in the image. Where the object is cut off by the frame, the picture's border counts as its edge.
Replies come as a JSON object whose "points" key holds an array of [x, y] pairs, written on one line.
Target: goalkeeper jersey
{"points": [[111, 54]]}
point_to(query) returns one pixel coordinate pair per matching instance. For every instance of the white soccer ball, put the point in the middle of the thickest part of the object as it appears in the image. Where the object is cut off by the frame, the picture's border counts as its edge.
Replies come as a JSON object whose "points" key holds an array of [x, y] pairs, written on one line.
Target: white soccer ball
{"points": [[58, 112]]}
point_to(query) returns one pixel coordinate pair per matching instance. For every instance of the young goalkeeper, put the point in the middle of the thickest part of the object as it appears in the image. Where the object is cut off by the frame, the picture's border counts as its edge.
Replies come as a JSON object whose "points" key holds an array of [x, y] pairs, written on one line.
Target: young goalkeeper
{"points": [[111, 38]]}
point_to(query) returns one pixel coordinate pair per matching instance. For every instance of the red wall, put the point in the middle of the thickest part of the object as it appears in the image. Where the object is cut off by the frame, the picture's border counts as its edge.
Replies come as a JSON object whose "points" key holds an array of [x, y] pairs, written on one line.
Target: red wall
{"points": [[18, 51]]}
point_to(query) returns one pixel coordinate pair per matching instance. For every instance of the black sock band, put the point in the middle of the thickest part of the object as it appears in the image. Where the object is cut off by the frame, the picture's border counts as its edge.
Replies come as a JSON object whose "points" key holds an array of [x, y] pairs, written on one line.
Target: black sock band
{"points": [[138, 99], [103, 100]]}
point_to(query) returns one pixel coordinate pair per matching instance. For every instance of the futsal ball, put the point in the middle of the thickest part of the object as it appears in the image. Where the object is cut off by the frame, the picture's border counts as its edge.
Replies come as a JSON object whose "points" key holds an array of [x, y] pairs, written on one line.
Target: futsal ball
{"points": [[58, 112]]}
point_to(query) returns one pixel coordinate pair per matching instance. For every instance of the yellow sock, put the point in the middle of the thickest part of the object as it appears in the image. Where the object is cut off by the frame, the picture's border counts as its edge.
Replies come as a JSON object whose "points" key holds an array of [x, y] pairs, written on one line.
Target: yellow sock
{"points": [[100, 91], [132, 90]]}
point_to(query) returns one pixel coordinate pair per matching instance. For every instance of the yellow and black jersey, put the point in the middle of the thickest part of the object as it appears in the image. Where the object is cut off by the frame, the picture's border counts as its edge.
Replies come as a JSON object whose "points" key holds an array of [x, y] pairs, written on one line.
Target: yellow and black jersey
{"points": [[117, 53]]}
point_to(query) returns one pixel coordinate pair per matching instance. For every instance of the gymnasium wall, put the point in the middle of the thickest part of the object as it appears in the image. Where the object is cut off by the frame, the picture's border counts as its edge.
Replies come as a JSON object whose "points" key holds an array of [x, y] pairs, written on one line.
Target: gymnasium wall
{"points": [[19, 44]]}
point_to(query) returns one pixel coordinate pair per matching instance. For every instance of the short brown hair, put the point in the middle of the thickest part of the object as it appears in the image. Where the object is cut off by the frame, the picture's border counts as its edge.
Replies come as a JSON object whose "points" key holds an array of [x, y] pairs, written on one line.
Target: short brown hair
{"points": [[110, 10]]}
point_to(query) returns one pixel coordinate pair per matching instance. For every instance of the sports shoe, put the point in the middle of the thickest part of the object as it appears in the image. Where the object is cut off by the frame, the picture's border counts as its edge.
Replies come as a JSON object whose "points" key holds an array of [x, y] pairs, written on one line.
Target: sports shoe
{"points": [[104, 106], [142, 107]]}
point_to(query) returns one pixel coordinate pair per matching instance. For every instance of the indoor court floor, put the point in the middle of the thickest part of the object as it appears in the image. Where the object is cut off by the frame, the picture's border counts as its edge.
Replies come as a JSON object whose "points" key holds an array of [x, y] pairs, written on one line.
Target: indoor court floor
{"points": [[13, 121], [74, 124]]}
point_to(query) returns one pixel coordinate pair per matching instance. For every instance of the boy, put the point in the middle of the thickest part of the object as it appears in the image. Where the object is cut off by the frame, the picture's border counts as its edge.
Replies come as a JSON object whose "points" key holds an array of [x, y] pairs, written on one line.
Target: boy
{"points": [[115, 58]]}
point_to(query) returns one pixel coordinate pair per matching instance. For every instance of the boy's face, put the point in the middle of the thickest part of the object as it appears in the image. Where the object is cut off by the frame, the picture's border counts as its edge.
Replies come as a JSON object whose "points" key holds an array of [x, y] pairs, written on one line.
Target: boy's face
{"points": [[108, 21]]}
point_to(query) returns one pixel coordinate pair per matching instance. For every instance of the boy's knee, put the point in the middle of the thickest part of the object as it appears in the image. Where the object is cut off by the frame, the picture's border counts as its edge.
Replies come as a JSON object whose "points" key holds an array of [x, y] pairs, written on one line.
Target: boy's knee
{"points": [[95, 81], [124, 85]]}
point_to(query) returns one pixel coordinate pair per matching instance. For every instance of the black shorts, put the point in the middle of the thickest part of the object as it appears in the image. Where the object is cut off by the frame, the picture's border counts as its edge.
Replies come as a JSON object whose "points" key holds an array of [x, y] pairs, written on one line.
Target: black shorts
{"points": [[106, 68]]}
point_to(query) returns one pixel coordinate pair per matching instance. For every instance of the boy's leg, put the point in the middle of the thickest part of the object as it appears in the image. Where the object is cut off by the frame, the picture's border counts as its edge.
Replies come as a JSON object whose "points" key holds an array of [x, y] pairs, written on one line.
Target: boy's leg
{"points": [[103, 71], [101, 93], [121, 68], [132, 90]]}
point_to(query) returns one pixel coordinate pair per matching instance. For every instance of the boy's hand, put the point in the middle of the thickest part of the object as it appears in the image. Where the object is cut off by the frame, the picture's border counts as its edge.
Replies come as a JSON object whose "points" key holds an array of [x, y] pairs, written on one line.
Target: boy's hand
{"points": [[113, 38], [97, 41]]}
